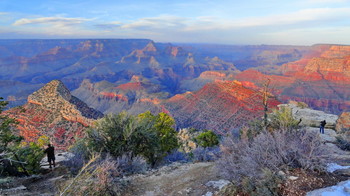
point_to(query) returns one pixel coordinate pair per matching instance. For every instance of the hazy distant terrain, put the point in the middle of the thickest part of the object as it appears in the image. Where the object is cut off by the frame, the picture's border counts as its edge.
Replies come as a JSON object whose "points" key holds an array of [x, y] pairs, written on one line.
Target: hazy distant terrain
{"points": [[112, 75]]}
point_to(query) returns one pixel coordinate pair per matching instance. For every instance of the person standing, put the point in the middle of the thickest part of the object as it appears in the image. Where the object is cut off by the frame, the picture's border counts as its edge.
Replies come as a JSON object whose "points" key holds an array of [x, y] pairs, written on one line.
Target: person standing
{"points": [[50, 151], [322, 125]]}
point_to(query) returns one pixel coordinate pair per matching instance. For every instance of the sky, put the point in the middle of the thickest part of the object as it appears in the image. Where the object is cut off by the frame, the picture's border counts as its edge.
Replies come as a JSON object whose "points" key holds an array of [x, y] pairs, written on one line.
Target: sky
{"points": [[292, 22]]}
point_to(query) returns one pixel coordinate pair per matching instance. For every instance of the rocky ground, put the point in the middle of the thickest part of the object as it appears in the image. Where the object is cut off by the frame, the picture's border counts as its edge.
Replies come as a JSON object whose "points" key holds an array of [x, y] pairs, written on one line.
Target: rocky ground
{"points": [[45, 184], [198, 178], [178, 179], [181, 179]]}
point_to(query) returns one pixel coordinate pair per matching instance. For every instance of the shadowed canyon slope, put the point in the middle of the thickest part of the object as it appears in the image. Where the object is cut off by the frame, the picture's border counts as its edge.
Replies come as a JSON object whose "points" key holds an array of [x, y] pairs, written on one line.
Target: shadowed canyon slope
{"points": [[31, 63], [54, 112], [138, 74], [136, 96], [220, 106]]}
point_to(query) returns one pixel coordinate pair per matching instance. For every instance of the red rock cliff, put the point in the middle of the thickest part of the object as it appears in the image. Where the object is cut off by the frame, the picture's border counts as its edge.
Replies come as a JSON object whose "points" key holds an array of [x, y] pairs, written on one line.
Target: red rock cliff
{"points": [[54, 112], [220, 106]]}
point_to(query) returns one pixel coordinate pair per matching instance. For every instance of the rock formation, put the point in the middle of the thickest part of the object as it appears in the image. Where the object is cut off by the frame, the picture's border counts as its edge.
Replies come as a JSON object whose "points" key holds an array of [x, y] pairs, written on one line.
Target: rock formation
{"points": [[52, 111], [343, 122], [310, 117], [136, 96], [318, 75], [220, 106], [320, 79]]}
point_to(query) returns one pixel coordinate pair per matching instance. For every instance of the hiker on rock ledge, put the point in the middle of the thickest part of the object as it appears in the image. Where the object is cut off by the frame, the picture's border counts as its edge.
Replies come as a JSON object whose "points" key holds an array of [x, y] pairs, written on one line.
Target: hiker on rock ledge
{"points": [[322, 125], [50, 151]]}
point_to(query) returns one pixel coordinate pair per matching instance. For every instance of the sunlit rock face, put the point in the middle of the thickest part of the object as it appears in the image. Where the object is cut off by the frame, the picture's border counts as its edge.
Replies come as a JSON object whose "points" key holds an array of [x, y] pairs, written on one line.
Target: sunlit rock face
{"points": [[325, 62], [52, 111], [321, 79], [343, 123], [220, 106], [139, 75]]}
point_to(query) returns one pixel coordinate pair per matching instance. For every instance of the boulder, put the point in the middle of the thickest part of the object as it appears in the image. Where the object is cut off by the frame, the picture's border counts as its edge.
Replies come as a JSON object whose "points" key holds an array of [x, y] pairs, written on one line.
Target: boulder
{"points": [[343, 122], [13, 191], [341, 189], [310, 117], [328, 136]]}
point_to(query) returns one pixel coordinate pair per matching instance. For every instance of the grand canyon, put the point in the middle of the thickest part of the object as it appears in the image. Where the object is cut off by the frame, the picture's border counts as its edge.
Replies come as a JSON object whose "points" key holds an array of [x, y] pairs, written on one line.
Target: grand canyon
{"points": [[141, 75], [65, 89], [175, 98]]}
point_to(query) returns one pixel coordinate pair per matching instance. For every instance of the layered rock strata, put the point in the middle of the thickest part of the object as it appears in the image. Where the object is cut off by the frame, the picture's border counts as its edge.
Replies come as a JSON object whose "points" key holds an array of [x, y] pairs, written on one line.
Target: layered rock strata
{"points": [[52, 111]]}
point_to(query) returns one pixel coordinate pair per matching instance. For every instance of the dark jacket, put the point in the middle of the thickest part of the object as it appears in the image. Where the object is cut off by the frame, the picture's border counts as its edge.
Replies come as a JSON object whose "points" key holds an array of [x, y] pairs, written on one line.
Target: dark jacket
{"points": [[50, 151], [323, 123]]}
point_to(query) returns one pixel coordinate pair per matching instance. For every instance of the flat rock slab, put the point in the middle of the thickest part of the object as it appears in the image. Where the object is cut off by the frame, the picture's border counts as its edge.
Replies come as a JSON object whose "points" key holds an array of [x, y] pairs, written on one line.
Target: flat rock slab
{"points": [[341, 189], [12, 191], [333, 167], [310, 117], [328, 136]]}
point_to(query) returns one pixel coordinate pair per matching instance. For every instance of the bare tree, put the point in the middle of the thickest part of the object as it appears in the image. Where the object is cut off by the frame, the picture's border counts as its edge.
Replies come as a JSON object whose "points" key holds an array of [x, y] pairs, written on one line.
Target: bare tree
{"points": [[265, 100]]}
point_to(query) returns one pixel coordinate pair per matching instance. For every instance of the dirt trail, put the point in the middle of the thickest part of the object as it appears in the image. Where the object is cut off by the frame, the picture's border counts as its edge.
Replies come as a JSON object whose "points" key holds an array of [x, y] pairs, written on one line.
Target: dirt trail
{"points": [[43, 184], [188, 179]]}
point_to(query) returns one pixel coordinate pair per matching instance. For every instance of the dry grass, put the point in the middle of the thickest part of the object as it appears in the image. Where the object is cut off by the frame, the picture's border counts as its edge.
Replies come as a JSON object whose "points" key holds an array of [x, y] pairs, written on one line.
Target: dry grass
{"points": [[97, 177]]}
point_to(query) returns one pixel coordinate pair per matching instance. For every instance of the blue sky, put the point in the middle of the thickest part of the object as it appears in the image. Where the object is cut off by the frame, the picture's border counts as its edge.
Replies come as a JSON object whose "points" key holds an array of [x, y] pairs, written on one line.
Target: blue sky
{"points": [[297, 22]]}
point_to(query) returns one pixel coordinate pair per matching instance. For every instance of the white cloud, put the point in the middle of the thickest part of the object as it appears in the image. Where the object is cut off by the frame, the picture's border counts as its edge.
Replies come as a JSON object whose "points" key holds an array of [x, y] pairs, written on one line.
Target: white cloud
{"points": [[324, 15], [301, 16], [263, 29], [59, 21], [53, 26], [161, 22]]}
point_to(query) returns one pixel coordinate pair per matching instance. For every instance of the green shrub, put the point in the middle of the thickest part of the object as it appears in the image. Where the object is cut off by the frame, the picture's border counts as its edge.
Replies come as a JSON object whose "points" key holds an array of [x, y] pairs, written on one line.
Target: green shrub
{"points": [[166, 134], [207, 139], [147, 135], [7, 137], [32, 154], [120, 134], [302, 105], [282, 120], [9, 144]]}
